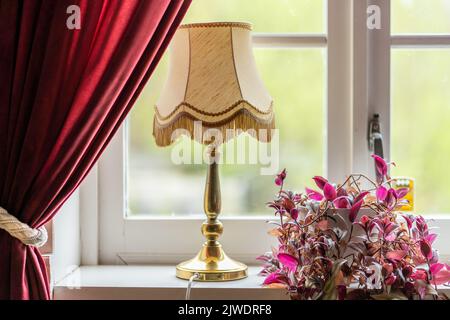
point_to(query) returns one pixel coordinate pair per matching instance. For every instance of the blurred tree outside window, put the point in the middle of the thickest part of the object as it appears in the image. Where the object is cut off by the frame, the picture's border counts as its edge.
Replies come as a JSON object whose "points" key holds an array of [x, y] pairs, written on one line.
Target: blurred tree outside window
{"points": [[296, 79]]}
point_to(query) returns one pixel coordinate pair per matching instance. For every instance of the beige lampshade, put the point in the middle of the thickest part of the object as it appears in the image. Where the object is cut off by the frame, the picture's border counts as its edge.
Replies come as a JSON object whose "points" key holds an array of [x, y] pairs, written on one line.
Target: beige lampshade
{"points": [[213, 78]]}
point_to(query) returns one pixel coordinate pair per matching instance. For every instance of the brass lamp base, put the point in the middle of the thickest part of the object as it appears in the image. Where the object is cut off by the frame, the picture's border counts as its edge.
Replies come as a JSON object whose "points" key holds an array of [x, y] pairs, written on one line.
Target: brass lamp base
{"points": [[212, 264]]}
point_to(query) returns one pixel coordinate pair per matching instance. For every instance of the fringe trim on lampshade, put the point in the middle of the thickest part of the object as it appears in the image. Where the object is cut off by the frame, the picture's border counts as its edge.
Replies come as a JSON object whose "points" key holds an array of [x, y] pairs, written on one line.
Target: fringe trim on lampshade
{"points": [[239, 122]]}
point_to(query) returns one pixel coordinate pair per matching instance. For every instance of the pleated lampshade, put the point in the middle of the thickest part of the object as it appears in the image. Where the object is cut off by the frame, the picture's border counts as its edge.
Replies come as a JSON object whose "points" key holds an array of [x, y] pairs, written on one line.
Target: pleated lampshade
{"points": [[213, 78]]}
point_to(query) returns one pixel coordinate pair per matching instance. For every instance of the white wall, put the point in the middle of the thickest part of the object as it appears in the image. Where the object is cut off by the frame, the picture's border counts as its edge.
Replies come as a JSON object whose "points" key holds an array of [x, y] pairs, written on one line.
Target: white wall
{"points": [[66, 244]]}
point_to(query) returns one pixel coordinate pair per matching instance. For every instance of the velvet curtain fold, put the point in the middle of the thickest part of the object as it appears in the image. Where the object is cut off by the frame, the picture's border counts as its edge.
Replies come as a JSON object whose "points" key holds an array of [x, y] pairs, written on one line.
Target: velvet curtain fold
{"points": [[63, 95]]}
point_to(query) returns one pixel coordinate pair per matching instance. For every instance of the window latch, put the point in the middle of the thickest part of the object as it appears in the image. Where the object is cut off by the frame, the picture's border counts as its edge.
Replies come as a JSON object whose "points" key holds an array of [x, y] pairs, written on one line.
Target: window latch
{"points": [[375, 136], [376, 140]]}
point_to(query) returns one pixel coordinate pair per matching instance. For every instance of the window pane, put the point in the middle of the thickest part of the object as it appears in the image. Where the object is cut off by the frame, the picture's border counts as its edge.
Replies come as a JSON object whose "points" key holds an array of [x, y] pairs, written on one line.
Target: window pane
{"points": [[420, 124], [420, 16], [295, 79], [265, 15]]}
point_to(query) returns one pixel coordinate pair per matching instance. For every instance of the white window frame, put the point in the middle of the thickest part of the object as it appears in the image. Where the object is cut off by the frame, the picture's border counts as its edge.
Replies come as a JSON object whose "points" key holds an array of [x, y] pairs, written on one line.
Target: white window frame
{"points": [[358, 85], [371, 89]]}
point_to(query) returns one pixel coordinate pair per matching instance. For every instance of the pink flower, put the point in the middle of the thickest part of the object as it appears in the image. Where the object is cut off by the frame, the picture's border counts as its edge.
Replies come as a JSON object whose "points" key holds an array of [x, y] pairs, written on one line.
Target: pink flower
{"points": [[288, 261], [342, 203], [329, 192], [380, 164], [314, 195], [320, 181]]}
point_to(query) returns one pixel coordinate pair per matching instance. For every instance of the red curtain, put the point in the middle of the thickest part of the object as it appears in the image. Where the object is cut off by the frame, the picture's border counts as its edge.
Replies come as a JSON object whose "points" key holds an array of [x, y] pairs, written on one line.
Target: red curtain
{"points": [[63, 95]]}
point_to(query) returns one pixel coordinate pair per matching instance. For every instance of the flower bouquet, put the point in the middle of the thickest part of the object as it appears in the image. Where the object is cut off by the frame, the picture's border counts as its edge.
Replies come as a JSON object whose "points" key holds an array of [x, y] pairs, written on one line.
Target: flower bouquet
{"points": [[344, 241]]}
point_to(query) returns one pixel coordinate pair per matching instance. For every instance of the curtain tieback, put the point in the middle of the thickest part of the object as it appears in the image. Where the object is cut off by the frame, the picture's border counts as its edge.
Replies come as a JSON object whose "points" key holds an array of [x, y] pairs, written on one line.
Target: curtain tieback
{"points": [[27, 235]]}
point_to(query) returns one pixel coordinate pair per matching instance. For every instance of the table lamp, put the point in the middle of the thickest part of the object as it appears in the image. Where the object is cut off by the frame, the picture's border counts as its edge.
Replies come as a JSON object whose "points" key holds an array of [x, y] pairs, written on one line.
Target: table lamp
{"points": [[212, 79]]}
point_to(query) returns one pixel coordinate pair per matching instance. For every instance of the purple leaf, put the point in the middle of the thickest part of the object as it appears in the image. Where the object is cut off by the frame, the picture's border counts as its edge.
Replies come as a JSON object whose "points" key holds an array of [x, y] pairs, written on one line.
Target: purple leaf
{"points": [[294, 213], [381, 193], [390, 280], [264, 258], [380, 164], [391, 198], [354, 210], [426, 250], [389, 227], [363, 222], [419, 274], [341, 192], [431, 237], [407, 271], [442, 275], [314, 195], [409, 220], [272, 278], [320, 181], [342, 292], [288, 261], [390, 237], [329, 192], [342, 202], [401, 192], [436, 267], [396, 254], [280, 178], [360, 196]]}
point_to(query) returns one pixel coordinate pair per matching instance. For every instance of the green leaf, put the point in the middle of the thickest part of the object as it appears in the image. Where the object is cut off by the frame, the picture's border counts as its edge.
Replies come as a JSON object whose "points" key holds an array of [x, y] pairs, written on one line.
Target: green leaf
{"points": [[330, 290]]}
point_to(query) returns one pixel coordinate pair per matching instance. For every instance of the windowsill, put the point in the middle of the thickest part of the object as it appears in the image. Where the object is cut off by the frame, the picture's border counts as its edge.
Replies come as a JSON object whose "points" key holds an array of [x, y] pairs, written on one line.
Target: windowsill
{"points": [[159, 283], [140, 282]]}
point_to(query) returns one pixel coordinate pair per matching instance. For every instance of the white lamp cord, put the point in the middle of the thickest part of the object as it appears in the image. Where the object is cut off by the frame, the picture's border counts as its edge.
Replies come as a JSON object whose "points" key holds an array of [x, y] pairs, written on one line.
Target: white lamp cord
{"points": [[195, 276]]}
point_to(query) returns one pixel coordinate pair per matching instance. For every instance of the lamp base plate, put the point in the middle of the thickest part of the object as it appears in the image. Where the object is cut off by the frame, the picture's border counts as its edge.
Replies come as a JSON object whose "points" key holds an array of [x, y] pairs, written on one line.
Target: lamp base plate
{"points": [[212, 264]]}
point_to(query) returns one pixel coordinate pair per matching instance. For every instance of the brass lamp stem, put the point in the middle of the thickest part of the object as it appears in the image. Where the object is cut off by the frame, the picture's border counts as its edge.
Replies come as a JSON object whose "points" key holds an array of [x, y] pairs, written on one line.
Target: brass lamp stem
{"points": [[212, 228], [211, 263]]}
